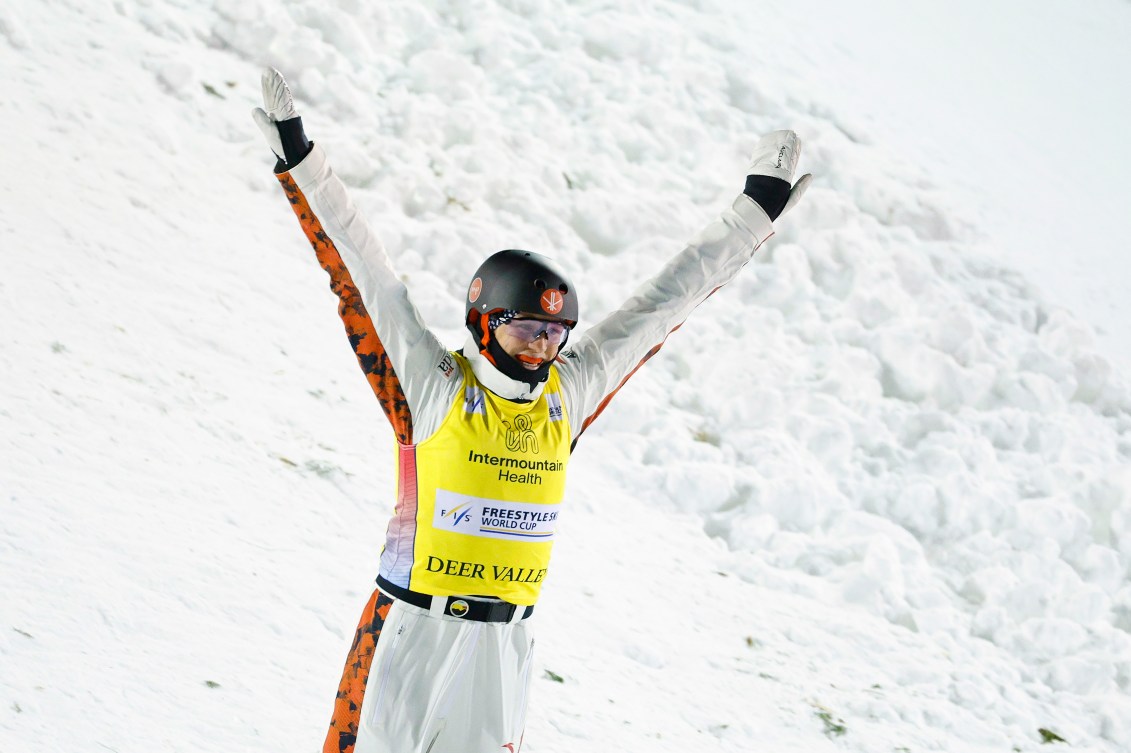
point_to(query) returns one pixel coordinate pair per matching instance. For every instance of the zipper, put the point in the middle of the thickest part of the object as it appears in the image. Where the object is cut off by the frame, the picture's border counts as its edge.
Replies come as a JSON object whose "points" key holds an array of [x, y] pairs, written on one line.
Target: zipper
{"points": [[388, 670]]}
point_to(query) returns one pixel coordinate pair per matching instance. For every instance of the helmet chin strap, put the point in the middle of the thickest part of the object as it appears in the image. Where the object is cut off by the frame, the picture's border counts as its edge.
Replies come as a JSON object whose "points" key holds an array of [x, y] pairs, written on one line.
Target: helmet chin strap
{"points": [[513, 368]]}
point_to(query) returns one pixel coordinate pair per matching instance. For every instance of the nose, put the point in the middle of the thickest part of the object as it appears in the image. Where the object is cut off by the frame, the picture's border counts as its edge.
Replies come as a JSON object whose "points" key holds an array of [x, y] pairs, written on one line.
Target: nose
{"points": [[542, 346]]}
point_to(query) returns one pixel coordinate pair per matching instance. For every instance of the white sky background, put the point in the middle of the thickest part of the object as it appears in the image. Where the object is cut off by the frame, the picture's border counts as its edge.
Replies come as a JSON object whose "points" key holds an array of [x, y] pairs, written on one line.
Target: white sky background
{"points": [[1019, 108], [880, 481]]}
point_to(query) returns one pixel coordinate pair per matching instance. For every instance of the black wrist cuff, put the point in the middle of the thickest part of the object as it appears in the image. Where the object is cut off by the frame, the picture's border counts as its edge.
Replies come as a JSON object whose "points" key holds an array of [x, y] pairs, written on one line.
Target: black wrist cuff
{"points": [[295, 144], [770, 193]]}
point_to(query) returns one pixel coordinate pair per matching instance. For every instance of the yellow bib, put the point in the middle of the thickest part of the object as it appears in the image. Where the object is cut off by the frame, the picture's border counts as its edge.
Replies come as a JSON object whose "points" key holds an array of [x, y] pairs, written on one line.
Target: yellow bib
{"points": [[478, 501]]}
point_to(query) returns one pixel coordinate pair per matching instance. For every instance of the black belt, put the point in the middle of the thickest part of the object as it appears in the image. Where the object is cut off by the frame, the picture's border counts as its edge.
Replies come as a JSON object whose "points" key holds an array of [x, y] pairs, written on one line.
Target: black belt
{"points": [[457, 606]]}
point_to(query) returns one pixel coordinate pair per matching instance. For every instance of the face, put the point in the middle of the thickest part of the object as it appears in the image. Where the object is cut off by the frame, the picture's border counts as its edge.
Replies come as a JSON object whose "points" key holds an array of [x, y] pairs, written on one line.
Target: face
{"points": [[514, 337]]}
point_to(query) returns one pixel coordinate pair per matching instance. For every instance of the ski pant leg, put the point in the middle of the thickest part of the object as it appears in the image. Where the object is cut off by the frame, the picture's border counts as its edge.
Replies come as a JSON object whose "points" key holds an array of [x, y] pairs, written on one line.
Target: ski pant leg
{"points": [[347, 706], [487, 712], [445, 685]]}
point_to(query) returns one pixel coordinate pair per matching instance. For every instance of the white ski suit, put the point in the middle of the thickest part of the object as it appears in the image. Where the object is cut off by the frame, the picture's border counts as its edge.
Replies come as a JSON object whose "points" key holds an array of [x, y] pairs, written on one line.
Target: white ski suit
{"points": [[436, 681]]}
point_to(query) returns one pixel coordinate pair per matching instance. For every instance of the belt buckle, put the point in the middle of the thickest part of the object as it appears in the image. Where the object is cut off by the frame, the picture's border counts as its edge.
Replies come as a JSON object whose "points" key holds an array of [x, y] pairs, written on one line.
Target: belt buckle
{"points": [[458, 607], [501, 612]]}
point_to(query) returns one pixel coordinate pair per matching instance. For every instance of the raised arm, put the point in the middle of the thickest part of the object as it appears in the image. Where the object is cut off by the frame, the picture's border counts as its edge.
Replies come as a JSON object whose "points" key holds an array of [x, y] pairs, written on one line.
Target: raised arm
{"points": [[598, 364], [409, 370]]}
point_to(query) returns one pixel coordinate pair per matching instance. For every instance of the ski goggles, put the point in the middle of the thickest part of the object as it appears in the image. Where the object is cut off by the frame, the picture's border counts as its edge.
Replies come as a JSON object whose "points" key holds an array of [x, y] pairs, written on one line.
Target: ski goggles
{"points": [[532, 329]]}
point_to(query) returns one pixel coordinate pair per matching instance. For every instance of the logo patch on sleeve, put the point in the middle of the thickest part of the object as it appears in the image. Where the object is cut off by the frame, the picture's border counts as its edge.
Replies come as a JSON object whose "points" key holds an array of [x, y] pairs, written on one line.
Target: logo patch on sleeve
{"points": [[447, 366]]}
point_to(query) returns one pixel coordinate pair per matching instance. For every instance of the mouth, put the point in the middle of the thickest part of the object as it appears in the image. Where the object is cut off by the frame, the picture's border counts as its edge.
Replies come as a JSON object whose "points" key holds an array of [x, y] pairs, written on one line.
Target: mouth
{"points": [[529, 362]]}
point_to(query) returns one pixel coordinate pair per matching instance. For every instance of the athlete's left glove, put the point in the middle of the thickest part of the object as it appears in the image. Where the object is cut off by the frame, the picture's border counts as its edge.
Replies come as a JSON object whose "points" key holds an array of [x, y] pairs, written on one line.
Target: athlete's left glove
{"points": [[280, 123], [769, 179]]}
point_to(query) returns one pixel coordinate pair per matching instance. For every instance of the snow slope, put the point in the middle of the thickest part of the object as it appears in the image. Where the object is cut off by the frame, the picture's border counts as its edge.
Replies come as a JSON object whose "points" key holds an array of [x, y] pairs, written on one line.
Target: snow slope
{"points": [[874, 496]]}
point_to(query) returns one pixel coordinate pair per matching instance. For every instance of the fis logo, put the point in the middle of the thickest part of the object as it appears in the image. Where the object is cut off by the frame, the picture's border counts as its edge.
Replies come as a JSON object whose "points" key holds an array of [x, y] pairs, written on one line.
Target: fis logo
{"points": [[459, 514], [474, 401]]}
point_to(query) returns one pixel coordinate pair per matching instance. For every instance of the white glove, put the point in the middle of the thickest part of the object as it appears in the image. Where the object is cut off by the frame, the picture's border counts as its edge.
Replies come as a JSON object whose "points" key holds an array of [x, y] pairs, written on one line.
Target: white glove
{"points": [[280, 106], [775, 156]]}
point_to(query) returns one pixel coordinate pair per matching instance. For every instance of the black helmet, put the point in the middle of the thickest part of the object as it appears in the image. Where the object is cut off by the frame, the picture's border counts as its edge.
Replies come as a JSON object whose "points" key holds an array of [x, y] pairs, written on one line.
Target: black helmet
{"points": [[521, 281]]}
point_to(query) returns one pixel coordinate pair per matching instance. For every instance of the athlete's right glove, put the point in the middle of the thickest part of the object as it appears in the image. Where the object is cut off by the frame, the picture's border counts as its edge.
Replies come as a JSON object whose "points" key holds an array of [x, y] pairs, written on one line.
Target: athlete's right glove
{"points": [[769, 178], [280, 123]]}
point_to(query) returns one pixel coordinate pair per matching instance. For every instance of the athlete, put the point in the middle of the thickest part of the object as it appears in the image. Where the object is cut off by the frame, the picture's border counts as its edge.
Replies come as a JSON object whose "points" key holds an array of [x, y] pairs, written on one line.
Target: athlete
{"points": [[441, 659]]}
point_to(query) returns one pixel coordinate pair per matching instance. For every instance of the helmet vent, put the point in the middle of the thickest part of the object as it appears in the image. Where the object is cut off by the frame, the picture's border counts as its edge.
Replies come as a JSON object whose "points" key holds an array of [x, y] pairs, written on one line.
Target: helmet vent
{"points": [[540, 284], [564, 288]]}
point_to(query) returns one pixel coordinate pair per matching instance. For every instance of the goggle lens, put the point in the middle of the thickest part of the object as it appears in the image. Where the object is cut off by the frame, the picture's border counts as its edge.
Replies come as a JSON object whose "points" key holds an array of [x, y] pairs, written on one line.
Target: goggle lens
{"points": [[532, 329]]}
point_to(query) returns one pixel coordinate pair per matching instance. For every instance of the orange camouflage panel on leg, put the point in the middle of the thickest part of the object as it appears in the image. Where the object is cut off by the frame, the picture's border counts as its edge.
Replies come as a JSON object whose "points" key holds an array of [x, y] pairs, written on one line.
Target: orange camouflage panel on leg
{"points": [[367, 346], [347, 707]]}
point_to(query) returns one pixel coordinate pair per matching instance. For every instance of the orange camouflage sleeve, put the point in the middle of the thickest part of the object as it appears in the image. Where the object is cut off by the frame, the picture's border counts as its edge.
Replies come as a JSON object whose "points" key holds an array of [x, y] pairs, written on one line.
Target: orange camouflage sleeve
{"points": [[371, 355]]}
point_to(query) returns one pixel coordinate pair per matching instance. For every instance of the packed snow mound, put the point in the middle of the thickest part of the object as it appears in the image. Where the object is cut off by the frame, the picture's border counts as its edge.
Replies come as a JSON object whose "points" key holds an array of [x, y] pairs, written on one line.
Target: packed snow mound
{"points": [[876, 403], [882, 436]]}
